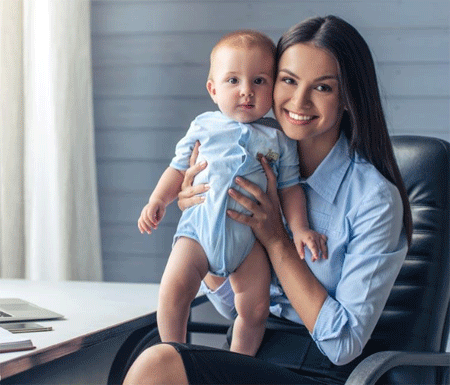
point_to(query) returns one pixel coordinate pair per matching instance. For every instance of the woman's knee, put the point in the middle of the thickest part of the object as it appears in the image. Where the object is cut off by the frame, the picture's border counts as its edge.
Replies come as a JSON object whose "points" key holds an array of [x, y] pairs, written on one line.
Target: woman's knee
{"points": [[159, 364]]}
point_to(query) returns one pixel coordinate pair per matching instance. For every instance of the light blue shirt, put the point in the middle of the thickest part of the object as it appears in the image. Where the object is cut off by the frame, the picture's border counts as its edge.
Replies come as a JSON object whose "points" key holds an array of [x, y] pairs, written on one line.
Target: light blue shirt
{"points": [[361, 213]]}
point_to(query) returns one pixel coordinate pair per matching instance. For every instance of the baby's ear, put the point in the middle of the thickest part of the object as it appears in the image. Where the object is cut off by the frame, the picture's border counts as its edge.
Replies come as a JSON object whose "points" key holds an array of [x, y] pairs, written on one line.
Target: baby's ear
{"points": [[211, 89]]}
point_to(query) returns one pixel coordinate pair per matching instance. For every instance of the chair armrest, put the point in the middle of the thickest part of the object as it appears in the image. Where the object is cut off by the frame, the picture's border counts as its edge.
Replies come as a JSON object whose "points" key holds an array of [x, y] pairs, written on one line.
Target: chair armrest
{"points": [[373, 367]]}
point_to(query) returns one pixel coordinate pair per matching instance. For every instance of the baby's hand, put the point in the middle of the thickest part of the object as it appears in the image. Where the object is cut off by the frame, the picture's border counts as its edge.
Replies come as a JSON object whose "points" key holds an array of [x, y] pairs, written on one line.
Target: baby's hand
{"points": [[151, 215], [317, 244]]}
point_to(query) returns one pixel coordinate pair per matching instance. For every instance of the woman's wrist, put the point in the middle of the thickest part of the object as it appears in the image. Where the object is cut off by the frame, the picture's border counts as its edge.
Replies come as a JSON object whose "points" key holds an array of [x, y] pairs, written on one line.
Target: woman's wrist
{"points": [[279, 246]]}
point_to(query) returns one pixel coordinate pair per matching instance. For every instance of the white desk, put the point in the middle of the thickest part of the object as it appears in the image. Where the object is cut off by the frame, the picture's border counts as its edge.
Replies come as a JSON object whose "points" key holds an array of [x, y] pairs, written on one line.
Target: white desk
{"points": [[99, 316]]}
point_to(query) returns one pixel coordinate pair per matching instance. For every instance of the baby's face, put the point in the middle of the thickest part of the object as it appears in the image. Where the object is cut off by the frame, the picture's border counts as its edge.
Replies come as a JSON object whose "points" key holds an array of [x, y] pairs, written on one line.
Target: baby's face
{"points": [[242, 82]]}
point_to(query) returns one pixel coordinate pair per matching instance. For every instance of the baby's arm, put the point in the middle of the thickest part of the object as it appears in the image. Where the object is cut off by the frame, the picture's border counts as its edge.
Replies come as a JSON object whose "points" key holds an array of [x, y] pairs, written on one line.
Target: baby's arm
{"points": [[293, 203], [165, 192]]}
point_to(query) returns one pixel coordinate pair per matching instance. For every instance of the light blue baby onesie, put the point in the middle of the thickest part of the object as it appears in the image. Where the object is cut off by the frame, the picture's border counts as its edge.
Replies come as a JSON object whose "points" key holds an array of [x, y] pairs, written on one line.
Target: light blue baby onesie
{"points": [[231, 149]]}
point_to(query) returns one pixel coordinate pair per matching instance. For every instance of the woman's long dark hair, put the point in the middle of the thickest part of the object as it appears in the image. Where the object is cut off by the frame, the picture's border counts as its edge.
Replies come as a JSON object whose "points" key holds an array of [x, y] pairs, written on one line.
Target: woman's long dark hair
{"points": [[363, 122]]}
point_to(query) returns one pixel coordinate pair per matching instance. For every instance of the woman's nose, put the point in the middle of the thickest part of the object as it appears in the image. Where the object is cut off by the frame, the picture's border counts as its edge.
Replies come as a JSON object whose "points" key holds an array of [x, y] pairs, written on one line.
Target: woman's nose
{"points": [[302, 99]]}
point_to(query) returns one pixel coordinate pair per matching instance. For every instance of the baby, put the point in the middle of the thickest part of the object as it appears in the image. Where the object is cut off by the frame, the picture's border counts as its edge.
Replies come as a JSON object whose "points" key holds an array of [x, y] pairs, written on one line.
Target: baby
{"points": [[240, 82]]}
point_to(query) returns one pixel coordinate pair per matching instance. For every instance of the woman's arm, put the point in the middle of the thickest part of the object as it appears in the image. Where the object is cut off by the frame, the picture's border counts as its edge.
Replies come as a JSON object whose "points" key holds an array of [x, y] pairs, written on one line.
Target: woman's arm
{"points": [[304, 291], [340, 323], [372, 259]]}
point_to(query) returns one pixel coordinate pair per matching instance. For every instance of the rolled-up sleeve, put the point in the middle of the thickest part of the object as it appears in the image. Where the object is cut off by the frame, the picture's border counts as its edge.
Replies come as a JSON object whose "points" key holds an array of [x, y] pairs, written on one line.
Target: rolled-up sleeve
{"points": [[373, 257]]}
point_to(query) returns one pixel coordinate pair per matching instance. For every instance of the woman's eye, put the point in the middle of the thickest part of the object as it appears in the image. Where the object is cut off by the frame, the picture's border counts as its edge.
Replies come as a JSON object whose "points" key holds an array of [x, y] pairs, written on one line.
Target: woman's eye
{"points": [[259, 81], [324, 88], [288, 80], [232, 80]]}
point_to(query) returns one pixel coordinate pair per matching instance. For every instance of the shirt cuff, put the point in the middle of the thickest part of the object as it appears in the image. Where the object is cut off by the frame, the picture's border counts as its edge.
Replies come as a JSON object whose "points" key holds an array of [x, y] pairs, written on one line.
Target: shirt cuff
{"points": [[324, 329]]}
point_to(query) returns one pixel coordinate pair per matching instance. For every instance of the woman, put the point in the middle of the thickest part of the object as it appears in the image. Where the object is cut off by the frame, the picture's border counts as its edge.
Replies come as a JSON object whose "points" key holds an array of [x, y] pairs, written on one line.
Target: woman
{"points": [[326, 97]]}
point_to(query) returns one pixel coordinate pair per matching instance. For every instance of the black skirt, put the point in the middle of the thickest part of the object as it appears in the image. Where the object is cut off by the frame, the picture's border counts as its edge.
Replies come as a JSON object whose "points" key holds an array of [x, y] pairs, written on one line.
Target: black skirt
{"points": [[287, 355]]}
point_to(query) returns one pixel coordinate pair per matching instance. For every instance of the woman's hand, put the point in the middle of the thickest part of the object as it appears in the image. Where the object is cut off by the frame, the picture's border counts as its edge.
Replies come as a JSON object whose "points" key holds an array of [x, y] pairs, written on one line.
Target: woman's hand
{"points": [[265, 220], [188, 196]]}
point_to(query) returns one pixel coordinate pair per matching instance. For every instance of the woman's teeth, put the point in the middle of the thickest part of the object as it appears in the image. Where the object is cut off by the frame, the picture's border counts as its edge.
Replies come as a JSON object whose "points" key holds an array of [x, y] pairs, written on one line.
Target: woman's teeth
{"points": [[299, 117]]}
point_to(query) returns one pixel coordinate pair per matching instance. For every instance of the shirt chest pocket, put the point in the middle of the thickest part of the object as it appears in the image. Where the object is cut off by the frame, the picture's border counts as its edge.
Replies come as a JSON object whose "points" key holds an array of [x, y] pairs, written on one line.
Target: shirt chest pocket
{"points": [[325, 224]]}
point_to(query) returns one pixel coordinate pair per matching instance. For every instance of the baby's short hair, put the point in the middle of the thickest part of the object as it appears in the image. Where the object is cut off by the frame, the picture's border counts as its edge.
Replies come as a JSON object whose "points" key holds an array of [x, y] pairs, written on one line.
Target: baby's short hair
{"points": [[245, 39]]}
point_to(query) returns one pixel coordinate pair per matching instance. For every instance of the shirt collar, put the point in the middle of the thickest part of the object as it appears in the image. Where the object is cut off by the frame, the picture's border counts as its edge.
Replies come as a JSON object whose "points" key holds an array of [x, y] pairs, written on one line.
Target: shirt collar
{"points": [[328, 176]]}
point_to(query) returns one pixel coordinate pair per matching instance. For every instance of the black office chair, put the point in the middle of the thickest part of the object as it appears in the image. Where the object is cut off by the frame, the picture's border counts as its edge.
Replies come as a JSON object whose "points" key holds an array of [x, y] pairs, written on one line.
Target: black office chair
{"points": [[414, 326], [408, 345]]}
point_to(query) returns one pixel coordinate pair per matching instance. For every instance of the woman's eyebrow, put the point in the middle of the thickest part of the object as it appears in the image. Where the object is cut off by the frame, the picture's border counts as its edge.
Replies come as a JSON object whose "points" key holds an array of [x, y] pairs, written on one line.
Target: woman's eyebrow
{"points": [[327, 77], [321, 78], [290, 73]]}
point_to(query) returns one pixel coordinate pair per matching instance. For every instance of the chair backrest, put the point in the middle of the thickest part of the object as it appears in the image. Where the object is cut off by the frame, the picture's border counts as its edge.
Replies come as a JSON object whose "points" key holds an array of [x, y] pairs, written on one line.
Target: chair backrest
{"points": [[416, 316]]}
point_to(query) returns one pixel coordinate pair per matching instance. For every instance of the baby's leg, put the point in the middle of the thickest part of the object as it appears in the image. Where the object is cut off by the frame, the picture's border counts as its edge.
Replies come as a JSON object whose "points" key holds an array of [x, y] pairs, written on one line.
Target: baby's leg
{"points": [[185, 269], [250, 283]]}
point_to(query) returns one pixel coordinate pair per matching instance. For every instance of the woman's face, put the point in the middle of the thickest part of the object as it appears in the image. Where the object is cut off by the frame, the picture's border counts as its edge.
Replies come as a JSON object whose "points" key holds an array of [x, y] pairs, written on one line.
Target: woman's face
{"points": [[307, 102]]}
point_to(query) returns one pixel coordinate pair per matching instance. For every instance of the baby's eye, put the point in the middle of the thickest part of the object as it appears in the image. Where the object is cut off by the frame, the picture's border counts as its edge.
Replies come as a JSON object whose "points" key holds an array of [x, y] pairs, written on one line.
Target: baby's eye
{"points": [[259, 81], [232, 80], [324, 88]]}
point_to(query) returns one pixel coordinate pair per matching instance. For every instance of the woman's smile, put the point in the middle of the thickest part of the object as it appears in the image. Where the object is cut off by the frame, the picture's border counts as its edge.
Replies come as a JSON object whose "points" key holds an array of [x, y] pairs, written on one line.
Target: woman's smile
{"points": [[299, 118]]}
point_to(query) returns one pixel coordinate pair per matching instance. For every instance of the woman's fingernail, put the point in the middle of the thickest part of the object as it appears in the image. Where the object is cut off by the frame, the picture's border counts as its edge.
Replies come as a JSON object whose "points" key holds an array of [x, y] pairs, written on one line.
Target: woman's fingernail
{"points": [[231, 192], [239, 179], [206, 186]]}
